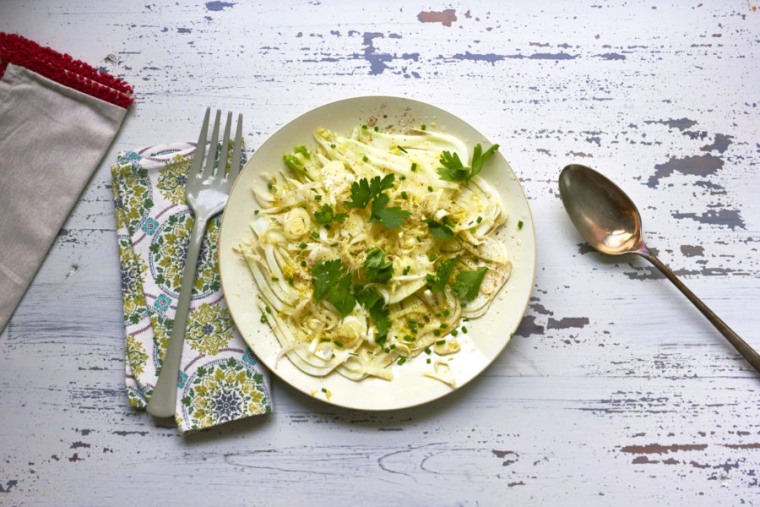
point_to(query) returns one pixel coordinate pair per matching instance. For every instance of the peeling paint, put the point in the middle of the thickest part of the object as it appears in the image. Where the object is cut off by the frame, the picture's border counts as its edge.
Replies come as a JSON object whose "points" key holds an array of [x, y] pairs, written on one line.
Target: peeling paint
{"points": [[728, 217], [528, 326], [8, 486], [697, 165], [720, 144], [567, 323], [379, 61], [445, 17], [662, 449], [218, 6], [487, 57], [692, 250], [611, 56], [681, 124]]}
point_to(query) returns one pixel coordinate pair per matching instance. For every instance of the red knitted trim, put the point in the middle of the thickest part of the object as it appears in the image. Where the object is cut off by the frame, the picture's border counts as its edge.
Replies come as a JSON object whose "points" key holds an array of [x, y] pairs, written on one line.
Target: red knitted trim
{"points": [[63, 69]]}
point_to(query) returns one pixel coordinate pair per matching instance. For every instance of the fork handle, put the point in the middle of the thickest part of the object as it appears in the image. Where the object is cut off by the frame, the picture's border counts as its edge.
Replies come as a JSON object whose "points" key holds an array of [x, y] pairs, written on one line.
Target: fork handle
{"points": [[163, 400]]}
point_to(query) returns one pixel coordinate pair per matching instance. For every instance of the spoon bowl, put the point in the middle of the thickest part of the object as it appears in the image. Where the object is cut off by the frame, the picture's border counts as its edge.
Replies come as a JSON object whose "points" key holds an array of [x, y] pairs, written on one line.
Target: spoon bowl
{"points": [[604, 215], [610, 222]]}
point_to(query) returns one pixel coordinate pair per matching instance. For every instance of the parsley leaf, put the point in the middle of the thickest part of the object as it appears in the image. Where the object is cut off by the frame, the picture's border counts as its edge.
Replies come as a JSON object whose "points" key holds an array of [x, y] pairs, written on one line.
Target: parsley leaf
{"points": [[377, 185], [468, 283], [326, 215], [332, 281], [360, 194], [376, 267], [389, 217], [438, 281], [454, 170], [478, 158], [363, 191], [371, 299], [439, 230]]}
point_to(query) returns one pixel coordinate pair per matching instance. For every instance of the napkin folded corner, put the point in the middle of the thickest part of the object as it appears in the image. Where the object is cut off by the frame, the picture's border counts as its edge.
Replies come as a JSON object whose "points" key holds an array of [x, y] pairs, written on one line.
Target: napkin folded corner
{"points": [[58, 117]]}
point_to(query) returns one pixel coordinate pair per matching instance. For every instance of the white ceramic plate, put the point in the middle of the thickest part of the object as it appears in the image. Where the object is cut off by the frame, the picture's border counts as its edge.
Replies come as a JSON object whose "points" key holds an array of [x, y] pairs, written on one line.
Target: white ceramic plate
{"points": [[486, 336]]}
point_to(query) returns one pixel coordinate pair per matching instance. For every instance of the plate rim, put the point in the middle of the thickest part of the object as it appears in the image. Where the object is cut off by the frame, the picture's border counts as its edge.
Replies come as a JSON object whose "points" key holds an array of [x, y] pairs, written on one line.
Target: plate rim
{"points": [[415, 105]]}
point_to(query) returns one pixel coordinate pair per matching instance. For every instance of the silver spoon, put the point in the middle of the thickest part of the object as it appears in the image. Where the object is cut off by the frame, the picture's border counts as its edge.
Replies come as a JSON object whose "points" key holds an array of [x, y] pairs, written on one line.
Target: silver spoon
{"points": [[610, 222]]}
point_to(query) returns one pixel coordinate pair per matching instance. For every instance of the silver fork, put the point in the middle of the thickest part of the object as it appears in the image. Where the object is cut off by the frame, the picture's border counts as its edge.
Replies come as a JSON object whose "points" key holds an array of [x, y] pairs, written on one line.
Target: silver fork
{"points": [[206, 193]]}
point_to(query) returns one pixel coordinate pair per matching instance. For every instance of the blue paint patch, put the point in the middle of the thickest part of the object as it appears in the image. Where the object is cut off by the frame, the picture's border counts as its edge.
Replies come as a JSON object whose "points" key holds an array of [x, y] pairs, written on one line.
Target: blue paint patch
{"points": [[720, 144], [218, 6], [682, 124], [698, 165], [552, 56], [611, 56], [379, 61], [475, 57], [730, 218]]}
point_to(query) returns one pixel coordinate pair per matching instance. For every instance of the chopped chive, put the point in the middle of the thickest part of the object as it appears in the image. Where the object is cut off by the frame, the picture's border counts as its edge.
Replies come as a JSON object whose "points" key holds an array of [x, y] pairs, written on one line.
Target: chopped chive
{"points": [[256, 212], [401, 148], [437, 332], [263, 319], [407, 269], [430, 189], [464, 329], [404, 195], [314, 234], [446, 312], [480, 219], [267, 309], [317, 198], [440, 342], [332, 146], [408, 338], [427, 350], [519, 225], [303, 264], [423, 127], [454, 332], [365, 158], [339, 344], [401, 360], [414, 166], [302, 245]]}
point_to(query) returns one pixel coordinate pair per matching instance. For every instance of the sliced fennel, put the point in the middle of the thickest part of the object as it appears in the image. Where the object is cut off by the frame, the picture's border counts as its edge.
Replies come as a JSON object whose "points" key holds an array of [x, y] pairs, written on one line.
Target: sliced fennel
{"points": [[322, 209]]}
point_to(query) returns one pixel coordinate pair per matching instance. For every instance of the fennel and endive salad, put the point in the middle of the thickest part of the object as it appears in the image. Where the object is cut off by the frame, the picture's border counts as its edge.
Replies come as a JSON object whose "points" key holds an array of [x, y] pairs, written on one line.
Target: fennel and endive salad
{"points": [[375, 248]]}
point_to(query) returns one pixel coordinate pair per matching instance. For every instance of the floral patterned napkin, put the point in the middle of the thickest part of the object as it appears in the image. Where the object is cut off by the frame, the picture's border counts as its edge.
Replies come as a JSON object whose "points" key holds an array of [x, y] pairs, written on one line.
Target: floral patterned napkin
{"points": [[220, 378]]}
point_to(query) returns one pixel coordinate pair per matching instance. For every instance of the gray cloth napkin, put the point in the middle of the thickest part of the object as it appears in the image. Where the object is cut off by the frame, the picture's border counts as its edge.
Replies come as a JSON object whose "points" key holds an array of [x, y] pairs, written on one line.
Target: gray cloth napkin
{"points": [[52, 138]]}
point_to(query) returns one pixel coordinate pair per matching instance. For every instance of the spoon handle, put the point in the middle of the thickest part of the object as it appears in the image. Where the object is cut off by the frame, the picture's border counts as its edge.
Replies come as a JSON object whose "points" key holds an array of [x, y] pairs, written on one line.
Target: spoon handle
{"points": [[743, 347]]}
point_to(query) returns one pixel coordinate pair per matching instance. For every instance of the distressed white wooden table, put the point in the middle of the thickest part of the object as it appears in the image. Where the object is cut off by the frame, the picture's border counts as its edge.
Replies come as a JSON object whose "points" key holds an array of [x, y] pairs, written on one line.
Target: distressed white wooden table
{"points": [[615, 391]]}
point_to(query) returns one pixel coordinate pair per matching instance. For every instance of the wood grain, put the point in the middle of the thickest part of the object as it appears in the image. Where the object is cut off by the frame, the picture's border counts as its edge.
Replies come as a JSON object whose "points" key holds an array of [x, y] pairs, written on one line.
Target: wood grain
{"points": [[615, 391]]}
